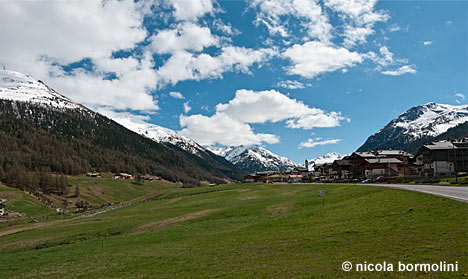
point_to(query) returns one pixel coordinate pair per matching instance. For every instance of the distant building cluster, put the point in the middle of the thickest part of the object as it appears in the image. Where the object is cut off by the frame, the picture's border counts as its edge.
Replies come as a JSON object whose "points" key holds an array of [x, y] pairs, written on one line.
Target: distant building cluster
{"points": [[292, 176], [445, 158]]}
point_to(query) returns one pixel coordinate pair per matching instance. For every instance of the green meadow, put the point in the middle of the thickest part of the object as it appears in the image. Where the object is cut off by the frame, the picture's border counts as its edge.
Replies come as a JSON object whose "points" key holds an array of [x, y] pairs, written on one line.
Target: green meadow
{"points": [[246, 231], [23, 203]]}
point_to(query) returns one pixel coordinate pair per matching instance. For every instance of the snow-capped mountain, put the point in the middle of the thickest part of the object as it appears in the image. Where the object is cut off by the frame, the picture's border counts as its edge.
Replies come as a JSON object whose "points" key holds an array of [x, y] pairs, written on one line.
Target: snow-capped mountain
{"points": [[327, 158], [15, 86], [159, 134], [253, 158], [109, 145], [420, 125]]}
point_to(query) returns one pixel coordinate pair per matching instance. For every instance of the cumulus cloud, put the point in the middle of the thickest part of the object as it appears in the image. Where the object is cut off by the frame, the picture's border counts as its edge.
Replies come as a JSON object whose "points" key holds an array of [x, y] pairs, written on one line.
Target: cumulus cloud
{"points": [[316, 142], [361, 12], [459, 98], [187, 36], [359, 17], [184, 65], [191, 9], [406, 69], [427, 43], [221, 128], [44, 36], [314, 58], [176, 95], [274, 14], [250, 107]]}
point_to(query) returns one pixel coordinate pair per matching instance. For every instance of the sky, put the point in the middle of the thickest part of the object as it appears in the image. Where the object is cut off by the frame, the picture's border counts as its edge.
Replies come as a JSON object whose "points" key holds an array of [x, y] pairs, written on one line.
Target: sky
{"points": [[300, 77]]}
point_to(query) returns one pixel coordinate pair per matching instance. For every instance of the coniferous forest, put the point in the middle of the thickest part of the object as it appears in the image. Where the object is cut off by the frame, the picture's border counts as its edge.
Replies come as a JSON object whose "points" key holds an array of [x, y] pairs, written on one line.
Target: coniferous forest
{"points": [[41, 144]]}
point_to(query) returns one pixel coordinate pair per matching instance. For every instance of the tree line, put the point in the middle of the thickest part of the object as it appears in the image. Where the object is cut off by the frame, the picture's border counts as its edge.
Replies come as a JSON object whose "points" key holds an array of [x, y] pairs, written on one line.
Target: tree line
{"points": [[38, 141]]}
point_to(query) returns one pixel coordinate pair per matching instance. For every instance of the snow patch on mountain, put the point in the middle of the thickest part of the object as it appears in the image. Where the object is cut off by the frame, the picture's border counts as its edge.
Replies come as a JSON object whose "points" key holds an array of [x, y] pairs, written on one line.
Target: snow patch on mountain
{"points": [[325, 159], [253, 158], [15, 86], [158, 133], [431, 119]]}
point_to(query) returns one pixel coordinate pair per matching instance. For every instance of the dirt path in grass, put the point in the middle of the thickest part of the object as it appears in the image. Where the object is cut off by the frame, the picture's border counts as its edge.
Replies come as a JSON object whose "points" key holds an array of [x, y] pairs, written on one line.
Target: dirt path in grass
{"points": [[102, 211], [161, 224], [32, 227]]}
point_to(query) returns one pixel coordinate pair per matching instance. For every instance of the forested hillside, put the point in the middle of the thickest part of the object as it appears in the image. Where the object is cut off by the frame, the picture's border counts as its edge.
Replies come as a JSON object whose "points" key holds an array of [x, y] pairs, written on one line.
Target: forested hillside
{"points": [[37, 140]]}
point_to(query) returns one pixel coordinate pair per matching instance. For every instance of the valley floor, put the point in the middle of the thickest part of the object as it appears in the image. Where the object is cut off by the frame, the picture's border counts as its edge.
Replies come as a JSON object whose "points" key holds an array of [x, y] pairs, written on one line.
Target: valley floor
{"points": [[247, 231]]}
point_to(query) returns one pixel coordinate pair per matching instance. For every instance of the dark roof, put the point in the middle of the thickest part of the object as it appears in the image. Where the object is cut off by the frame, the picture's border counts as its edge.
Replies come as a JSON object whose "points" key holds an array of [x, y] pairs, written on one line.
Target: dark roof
{"points": [[342, 162], [383, 161]]}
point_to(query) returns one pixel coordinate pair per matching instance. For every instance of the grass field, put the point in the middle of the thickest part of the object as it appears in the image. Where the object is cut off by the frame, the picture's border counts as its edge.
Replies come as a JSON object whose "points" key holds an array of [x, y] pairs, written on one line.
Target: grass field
{"points": [[21, 202], [106, 189], [247, 231]]}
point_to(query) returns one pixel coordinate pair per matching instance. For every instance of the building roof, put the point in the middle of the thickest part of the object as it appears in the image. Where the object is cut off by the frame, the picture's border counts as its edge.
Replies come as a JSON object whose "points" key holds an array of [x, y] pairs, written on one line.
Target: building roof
{"points": [[341, 162], [382, 153], [264, 172], [383, 161], [440, 145]]}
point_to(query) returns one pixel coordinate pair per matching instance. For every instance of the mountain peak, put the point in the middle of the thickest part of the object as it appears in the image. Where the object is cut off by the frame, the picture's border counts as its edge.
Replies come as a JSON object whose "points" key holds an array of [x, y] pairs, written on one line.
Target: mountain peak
{"points": [[252, 158], [419, 125], [16, 86]]}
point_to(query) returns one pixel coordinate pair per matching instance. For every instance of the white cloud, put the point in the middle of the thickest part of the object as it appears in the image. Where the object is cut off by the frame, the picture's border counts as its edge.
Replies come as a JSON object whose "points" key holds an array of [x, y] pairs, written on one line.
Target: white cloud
{"points": [[176, 95], [359, 17], [406, 69], [130, 90], [292, 84], [183, 65], [316, 142], [314, 58], [43, 35], [427, 43], [187, 107], [271, 13], [225, 28], [354, 35], [272, 106], [230, 123], [222, 129], [448, 22], [384, 59], [459, 98], [321, 120], [68, 31], [187, 36], [191, 9], [394, 27], [360, 12]]}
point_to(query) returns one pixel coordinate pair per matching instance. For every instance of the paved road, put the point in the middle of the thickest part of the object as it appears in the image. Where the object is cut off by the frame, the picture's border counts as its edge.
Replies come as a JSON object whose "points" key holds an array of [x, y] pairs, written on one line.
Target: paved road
{"points": [[452, 192]]}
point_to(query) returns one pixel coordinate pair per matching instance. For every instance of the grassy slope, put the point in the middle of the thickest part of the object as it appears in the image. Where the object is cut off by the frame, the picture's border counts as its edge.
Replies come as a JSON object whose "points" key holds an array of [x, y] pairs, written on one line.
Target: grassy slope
{"points": [[109, 190], [21, 202], [248, 231]]}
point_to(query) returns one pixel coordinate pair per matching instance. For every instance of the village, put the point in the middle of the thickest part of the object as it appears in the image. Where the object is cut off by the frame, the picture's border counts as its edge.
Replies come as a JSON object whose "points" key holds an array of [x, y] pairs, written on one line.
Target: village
{"points": [[440, 159]]}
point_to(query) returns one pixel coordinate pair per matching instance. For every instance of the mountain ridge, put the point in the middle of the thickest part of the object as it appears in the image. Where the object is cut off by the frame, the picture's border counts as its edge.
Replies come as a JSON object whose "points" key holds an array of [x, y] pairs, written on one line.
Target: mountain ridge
{"points": [[253, 158], [30, 110], [420, 125]]}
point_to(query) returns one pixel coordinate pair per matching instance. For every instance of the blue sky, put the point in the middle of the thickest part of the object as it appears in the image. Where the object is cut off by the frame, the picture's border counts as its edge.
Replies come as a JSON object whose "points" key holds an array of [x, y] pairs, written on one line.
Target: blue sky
{"points": [[300, 77]]}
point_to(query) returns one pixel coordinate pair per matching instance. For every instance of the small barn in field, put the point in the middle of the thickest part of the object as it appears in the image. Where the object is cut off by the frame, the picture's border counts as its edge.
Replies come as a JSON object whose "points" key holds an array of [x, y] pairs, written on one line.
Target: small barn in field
{"points": [[123, 175]]}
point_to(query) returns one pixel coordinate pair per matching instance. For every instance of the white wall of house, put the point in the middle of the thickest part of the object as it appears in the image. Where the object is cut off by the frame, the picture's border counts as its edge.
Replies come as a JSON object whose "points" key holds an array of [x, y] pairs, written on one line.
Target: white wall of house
{"points": [[375, 172], [442, 167]]}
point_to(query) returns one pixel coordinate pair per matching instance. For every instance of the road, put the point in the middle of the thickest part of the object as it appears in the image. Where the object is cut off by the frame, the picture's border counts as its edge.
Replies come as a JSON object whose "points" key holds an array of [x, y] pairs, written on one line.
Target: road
{"points": [[452, 192]]}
